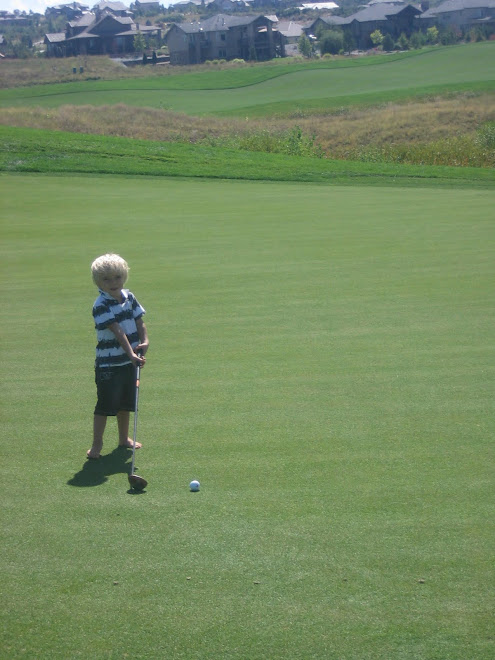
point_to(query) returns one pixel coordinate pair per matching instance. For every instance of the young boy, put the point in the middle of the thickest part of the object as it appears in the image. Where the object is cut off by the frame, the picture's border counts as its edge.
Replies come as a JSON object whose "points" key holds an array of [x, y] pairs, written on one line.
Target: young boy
{"points": [[122, 342]]}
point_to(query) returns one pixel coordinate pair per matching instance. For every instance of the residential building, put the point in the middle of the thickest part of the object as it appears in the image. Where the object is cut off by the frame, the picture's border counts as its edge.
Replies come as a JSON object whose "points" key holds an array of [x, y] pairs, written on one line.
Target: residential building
{"points": [[224, 37], [461, 14], [98, 34], [391, 18]]}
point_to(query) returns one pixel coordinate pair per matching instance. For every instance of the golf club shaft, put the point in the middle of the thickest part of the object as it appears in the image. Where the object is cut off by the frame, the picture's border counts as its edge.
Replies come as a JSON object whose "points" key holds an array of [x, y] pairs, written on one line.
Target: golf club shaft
{"points": [[134, 437]]}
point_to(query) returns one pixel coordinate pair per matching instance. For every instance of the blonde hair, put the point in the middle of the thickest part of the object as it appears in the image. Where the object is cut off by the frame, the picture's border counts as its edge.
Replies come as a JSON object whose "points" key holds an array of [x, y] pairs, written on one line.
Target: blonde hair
{"points": [[109, 263]]}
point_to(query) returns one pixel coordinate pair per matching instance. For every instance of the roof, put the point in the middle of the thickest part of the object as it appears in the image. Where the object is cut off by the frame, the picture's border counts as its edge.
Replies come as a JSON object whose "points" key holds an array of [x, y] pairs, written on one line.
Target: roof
{"points": [[72, 5], [83, 35], [379, 12], [218, 23], [113, 6], [331, 20], [55, 37], [83, 21], [459, 5], [290, 29], [319, 5]]}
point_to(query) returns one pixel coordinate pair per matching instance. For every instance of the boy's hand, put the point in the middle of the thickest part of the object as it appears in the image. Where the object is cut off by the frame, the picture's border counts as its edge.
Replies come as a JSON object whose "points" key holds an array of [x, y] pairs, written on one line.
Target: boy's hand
{"points": [[142, 348], [138, 360]]}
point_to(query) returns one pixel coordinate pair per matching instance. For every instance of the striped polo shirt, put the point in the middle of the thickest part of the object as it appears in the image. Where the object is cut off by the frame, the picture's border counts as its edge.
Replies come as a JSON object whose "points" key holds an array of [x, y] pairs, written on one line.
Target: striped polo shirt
{"points": [[107, 310]]}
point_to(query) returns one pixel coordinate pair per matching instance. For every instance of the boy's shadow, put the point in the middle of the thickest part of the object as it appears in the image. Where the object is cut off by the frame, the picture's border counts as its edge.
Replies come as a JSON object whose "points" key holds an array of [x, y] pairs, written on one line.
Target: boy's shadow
{"points": [[95, 473]]}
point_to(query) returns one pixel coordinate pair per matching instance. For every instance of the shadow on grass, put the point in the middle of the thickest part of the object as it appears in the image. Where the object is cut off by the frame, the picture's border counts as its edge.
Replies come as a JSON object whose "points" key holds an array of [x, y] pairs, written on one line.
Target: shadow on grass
{"points": [[95, 473]]}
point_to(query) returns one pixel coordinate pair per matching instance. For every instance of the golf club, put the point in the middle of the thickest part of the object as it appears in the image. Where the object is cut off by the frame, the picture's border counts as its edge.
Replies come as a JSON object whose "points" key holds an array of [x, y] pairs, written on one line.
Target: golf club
{"points": [[136, 482]]}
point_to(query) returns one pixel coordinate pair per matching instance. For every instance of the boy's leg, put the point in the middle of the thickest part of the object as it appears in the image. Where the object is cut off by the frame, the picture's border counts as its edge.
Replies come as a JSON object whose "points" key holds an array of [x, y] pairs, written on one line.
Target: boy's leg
{"points": [[123, 417], [99, 424]]}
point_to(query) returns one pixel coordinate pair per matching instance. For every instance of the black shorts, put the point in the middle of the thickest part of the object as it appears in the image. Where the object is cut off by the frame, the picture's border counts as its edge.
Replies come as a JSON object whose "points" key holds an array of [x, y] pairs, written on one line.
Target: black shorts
{"points": [[116, 389]]}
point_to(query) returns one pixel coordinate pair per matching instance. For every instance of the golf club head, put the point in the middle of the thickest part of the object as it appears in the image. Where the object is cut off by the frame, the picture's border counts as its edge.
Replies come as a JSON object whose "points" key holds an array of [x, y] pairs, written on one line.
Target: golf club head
{"points": [[137, 483]]}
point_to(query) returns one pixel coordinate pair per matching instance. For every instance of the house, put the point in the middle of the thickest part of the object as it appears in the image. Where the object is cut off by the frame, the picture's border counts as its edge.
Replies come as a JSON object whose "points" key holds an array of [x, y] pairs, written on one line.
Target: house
{"points": [[71, 10], [13, 20], [324, 23], [461, 14], [54, 43], [147, 7], [392, 18], [290, 31], [225, 5], [183, 5], [98, 34], [115, 8], [223, 37]]}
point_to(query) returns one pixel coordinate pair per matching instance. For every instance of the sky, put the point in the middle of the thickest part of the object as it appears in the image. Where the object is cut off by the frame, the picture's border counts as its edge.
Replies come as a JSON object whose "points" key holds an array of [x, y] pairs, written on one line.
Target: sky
{"points": [[39, 6]]}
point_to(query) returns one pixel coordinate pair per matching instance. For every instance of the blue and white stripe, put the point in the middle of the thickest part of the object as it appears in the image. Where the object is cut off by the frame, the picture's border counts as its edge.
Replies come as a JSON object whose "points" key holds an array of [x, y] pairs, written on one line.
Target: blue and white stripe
{"points": [[107, 310]]}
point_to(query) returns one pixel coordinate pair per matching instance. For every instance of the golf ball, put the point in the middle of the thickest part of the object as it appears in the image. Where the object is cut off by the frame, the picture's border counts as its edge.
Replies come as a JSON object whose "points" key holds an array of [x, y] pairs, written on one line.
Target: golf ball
{"points": [[194, 486]]}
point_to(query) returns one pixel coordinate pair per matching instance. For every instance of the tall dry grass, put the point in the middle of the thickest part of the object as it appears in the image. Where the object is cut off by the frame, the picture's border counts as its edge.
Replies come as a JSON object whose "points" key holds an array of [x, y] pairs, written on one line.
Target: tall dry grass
{"points": [[38, 71], [399, 132]]}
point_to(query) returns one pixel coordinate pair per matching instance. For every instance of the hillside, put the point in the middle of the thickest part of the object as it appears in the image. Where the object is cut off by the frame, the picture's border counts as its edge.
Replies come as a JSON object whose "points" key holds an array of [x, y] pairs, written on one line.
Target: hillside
{"points": [[431, 106]]}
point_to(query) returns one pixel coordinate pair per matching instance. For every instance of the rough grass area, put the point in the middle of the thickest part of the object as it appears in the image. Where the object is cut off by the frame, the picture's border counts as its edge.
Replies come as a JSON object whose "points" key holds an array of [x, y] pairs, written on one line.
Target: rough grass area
{"points": [[440, 131], [32, 150], [321, 360]]}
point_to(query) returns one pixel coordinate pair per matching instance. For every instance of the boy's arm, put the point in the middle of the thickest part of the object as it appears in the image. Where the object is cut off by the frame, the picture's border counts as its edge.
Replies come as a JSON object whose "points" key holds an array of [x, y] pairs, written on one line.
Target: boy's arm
{"points": [[124, 342], [143, 337]]}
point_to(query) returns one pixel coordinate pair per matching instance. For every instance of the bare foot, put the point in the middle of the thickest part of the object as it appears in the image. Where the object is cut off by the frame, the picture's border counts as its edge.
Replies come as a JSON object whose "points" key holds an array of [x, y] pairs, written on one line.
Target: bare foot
{"points": [[92, 454], [129, 444]]}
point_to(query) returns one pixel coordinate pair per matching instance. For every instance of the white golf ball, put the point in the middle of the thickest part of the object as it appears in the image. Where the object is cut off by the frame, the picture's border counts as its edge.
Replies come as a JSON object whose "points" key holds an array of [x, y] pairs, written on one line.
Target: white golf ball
{"points": [[194, 486]]}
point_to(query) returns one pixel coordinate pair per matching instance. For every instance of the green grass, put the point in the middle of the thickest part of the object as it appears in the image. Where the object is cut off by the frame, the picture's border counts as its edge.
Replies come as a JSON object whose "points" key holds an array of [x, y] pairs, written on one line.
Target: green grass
{"points": [[30, 150], [282, 88], [321, 361]]}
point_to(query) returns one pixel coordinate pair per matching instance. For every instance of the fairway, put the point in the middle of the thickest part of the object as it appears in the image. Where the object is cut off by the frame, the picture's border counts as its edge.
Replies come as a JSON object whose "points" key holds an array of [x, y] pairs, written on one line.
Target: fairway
{"points": [[473, 63], [321, 360]]}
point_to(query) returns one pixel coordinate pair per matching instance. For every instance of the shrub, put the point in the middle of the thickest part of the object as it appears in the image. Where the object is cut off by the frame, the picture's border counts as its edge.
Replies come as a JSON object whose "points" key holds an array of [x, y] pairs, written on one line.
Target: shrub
{"points": [[485, 136], [388, 43], [304, 45], [432, 35], [291, 142], [449, 36], [331, 41], [376, 38], [402, 42], [417, 40]]}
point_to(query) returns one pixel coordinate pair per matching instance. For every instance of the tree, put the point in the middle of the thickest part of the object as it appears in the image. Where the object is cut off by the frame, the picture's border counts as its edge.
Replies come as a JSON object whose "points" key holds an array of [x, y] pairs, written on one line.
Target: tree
{"points": [[139, 43], [417, 40], [387, 43], [304, 45], [331, 41], [402, 42], [376, 38], [449, 36], [432, 35]]}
